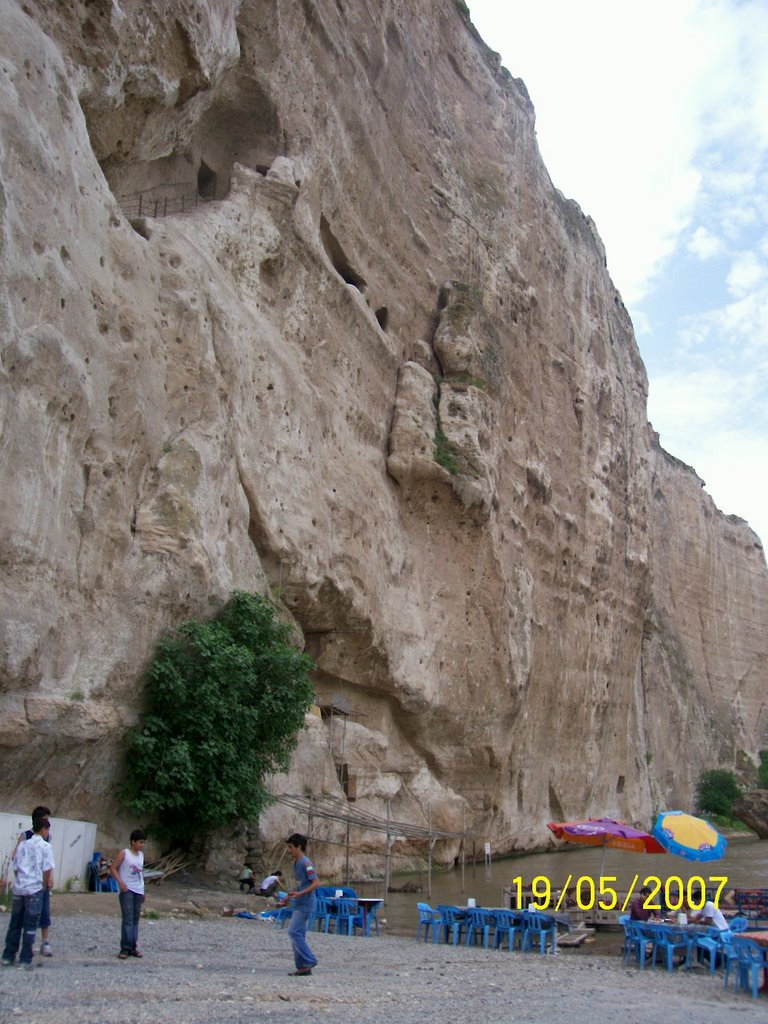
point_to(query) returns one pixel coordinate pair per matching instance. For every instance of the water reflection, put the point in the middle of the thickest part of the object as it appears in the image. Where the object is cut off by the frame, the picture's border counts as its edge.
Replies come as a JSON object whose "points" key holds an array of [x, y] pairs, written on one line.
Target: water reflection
{"points": [[745, 865]]}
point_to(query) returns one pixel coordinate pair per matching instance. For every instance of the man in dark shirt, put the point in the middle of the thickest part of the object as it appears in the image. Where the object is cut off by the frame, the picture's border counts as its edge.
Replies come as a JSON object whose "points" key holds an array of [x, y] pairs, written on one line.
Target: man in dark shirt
{"points": [[637, 909]]}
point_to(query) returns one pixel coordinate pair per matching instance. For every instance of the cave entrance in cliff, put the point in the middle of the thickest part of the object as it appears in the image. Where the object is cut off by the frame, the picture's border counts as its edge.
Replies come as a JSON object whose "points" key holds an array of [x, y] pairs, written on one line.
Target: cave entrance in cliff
{"points": [[206, 181], [338, 257]]}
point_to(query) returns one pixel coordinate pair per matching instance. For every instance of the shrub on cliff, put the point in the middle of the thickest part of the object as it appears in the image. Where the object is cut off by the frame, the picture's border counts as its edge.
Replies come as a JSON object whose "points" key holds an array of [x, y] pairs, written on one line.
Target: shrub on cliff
{"points": [[716, 791], [226, 701]]}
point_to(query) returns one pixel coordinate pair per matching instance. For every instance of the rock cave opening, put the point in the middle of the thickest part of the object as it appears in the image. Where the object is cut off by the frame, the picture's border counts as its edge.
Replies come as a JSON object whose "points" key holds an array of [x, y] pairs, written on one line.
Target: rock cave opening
{"points": [[206, 181], [338, 257], [241, 125]]}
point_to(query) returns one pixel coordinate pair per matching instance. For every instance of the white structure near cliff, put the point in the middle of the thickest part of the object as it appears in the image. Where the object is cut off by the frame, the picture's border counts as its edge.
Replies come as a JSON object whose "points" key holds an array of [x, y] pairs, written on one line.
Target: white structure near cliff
{"points": [[74, 843]]}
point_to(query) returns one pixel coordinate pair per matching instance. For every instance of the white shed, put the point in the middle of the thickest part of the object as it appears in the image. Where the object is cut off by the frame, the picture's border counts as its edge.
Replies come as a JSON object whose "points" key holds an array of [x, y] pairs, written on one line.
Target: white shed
{"points": [[73, 846]]}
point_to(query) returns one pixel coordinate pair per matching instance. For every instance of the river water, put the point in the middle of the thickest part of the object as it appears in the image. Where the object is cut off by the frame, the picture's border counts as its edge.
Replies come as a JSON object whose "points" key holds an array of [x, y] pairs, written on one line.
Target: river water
{"points": [[745, 865]]}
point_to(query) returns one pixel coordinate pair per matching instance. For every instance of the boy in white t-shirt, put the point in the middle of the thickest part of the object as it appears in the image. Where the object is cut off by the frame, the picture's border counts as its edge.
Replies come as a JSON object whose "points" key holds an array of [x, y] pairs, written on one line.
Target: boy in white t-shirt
{"points": [[33, 866], [713, 916], [127, 869]]}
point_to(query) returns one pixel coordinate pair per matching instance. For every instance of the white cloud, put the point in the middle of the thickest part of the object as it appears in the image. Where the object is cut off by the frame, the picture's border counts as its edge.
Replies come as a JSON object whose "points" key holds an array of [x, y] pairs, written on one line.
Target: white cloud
{"points": [[624, 129], [726, 463], [746, 273], [654, 118], [698, 401], [704, 244], [735, 336], [705, 426]]}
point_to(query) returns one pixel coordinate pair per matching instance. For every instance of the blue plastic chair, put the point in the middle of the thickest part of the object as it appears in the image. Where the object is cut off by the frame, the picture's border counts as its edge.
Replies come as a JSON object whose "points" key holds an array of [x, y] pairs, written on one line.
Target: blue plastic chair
{"points": [[451, 922], [321, 916], [283, 914], [478, 922], [637, 936], [369, 920], [709, 946], [428, 919], [752, 961], [347, 916], [730, 959], [668, 941], [626, 948], [509, 925], [541, 927], [277, 915]]}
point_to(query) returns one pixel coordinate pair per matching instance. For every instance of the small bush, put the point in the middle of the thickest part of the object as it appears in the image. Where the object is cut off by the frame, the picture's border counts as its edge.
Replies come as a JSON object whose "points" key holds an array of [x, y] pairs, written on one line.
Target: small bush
{"points": [[716, 791], [225, 704], [444, 453], [762, 771]]}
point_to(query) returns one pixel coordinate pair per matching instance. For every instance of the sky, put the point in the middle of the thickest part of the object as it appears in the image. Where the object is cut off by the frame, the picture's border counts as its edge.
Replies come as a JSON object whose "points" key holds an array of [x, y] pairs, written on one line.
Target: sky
{"points": [[654, 118]]}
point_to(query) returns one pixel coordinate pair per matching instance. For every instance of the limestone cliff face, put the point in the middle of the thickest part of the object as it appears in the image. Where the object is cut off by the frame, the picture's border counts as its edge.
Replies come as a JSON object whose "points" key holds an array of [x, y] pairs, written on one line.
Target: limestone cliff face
{"points": [[289, 301]]}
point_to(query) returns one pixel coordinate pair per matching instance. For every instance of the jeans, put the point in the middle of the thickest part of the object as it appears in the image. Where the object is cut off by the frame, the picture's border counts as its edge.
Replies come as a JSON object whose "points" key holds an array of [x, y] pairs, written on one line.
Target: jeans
{"points": [[130, 905], [303, 956], [25, 914], [45, 913]]}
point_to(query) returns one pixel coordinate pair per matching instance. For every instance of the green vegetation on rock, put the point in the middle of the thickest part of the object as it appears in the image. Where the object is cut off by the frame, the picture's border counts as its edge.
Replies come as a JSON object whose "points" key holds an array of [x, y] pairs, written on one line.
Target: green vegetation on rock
{"points": [[716, 791], [226, 701]]}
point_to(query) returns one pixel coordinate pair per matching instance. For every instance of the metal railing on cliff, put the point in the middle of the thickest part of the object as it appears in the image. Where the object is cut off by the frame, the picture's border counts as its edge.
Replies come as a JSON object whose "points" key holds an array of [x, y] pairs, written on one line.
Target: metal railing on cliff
{"points": [[146, 204]]}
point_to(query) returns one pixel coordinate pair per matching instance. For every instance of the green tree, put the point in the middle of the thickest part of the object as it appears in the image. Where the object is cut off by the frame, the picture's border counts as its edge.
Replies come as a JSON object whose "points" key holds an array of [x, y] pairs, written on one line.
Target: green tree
{"points": [[226, 701], [716, 792], [762, 771]]}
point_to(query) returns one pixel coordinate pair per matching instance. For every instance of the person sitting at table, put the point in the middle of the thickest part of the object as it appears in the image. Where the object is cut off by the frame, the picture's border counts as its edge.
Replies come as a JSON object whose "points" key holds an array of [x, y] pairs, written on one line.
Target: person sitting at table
{"points": [[711, 915], [637, 908]]}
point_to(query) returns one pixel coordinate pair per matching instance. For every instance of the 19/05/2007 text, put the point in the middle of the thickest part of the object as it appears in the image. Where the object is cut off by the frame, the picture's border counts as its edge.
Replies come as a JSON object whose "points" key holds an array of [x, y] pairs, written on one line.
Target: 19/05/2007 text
{"points": [[588, 893]]}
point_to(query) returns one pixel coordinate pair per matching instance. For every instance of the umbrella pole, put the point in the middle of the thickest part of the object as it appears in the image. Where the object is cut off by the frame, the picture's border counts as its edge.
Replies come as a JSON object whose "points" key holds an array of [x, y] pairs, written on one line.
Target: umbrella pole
{"points": [[602, 861]]}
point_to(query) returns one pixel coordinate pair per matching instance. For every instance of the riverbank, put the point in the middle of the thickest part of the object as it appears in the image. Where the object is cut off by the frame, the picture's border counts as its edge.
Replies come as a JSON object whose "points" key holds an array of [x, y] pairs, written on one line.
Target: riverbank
{"points": [[199, 968]]}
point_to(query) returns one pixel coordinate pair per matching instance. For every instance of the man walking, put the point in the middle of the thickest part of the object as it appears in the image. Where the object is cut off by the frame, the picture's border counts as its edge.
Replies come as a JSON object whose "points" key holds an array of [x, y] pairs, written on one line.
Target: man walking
{"points": [[304, 904]]}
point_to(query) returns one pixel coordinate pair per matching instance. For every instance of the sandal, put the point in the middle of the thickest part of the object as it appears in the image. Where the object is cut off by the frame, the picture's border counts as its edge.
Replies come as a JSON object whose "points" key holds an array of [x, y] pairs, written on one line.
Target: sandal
{"points": [[122, 956], [137, 952]]}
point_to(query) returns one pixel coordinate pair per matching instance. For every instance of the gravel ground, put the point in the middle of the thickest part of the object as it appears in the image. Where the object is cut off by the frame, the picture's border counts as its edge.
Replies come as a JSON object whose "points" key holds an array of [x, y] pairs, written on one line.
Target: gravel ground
{"points": [[210, 968]]}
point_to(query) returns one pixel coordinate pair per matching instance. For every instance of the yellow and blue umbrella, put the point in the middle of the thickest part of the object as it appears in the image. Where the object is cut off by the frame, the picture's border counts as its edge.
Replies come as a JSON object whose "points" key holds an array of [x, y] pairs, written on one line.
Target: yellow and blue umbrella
{"points": [[688, 836]]}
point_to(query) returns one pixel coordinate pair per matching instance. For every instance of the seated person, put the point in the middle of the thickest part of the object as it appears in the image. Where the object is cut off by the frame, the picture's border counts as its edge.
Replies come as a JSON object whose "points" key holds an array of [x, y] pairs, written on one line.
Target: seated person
{"points": [[712, 916], [270, 884], [637, 910], [246, 879]]}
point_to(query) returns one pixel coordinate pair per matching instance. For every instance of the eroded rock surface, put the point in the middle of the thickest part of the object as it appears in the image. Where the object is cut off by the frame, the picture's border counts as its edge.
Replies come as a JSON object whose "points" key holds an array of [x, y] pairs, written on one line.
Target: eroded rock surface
{"points": [[289, 302], [752, 809]]}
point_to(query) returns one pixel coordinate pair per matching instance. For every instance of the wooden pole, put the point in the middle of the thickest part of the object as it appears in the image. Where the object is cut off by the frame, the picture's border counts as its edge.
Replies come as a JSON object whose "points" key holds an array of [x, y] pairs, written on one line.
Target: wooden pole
{"points": [[388, 862], [463, 845], [347, 871], [429, 859]]}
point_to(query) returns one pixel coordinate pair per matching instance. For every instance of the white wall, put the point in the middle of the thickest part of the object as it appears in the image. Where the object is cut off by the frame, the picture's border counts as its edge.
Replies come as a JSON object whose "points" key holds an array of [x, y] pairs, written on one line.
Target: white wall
{"points": [[73, 845]]}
